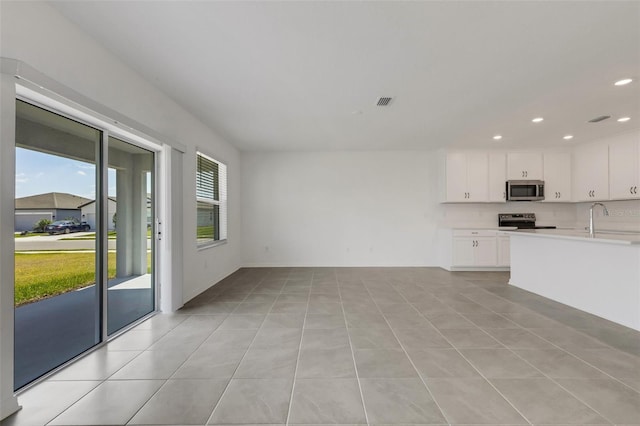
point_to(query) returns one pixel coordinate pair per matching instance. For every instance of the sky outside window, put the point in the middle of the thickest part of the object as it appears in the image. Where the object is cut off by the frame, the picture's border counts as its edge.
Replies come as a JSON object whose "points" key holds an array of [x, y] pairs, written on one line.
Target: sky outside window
{"points": [[40, 173]]}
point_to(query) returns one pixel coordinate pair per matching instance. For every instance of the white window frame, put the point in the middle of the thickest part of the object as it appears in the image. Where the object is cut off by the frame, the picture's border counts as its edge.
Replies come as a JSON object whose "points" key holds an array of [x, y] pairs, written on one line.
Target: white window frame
{"points": [[221, 203]]}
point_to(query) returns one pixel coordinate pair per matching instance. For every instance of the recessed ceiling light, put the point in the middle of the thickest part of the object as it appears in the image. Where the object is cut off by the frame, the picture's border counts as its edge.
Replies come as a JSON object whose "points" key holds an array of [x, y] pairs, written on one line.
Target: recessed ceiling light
{"points": [[567, 137], [538, 120], [623, 81], [623, 119], [497, 137]]}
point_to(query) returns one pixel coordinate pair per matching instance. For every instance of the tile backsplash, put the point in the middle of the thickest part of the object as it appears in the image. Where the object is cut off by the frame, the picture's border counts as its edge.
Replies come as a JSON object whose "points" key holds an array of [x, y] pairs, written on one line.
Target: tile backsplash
{"points": [[486, 215], [623, 215]]}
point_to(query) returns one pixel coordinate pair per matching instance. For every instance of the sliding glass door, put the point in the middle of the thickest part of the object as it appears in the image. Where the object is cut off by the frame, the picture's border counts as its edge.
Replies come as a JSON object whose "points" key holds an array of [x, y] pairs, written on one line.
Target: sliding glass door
{"points": [[83, 242], [130, 292]]}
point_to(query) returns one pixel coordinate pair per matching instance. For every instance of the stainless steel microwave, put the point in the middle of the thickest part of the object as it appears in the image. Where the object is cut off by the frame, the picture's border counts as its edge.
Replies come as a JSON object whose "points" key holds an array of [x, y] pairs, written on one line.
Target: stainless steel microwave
{"points": [[525, 190]]}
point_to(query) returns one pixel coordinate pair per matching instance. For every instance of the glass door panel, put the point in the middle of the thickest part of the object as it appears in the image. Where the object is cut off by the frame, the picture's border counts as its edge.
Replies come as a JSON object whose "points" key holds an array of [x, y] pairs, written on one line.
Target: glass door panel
{"points": [[57, 299], [130, 293]]}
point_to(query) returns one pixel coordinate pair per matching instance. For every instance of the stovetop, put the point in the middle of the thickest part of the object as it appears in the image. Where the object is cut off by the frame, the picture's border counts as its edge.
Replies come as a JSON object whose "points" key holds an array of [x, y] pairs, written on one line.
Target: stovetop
{"points": [[520, 221]]}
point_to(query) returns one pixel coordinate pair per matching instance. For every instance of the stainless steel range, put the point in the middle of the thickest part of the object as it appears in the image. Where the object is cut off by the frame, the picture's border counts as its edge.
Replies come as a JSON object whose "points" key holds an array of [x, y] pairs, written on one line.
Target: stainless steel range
{"points": [[520, 221]]}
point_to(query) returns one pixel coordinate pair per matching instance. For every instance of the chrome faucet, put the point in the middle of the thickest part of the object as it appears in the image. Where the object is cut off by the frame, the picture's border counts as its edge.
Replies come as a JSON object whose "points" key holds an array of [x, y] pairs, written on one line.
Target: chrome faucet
{"points": [[592, 231]]}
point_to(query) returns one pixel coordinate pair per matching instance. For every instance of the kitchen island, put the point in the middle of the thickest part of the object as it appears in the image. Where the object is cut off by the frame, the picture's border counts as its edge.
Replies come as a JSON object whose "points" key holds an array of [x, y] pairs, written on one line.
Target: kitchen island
{"points": [[599, 275]]}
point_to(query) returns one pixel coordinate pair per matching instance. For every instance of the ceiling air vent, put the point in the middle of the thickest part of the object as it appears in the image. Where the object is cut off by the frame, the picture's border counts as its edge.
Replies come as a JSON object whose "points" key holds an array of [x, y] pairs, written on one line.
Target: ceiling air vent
{"points": [[384, 101], [599, 119]]}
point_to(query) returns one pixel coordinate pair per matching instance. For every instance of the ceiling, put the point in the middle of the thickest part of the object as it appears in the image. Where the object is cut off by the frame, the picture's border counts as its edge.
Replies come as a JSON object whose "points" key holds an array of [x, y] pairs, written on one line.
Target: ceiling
{"points": [[272, 76]]}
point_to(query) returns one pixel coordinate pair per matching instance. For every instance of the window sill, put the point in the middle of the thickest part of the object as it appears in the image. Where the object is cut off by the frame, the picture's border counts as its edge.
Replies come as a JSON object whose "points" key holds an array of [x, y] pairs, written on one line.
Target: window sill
{"points": [[213, 244]]}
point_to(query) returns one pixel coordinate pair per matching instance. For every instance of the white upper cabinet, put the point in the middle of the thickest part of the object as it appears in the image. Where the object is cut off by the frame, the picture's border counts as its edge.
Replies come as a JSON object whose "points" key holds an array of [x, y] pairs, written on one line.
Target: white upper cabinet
{"points": [[497, 177], [524, 165], [466, 177], [591, 172], [557, 177], [624, 167]]}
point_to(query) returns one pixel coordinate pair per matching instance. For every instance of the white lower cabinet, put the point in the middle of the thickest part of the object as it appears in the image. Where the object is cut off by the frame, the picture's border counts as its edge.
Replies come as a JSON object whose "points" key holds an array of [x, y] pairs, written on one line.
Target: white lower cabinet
{"points": [[474, 248], [478, 251]]}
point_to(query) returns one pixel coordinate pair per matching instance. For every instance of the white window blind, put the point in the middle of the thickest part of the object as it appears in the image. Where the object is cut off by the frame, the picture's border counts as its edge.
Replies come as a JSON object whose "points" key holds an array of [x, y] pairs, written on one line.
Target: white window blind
{"points": [[211, 198]]}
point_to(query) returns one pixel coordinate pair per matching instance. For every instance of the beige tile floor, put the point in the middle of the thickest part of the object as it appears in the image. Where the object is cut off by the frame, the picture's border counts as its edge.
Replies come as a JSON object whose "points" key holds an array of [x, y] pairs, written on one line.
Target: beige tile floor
{"points": [[353, 346]]}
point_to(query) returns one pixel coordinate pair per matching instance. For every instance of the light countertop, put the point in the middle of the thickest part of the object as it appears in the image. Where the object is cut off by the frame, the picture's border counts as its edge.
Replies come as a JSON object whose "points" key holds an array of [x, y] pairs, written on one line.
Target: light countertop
{"points": [[611, 237]]}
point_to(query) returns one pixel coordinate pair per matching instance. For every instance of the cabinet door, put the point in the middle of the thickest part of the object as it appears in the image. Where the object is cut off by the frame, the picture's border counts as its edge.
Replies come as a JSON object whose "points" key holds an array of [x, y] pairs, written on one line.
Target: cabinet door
{"points": [[463, 251], [557, 177], [497, 177], [486, 251], [624, 168], [478, 177], [591, 173], [524, 165], [456, 177], [504, 251]]}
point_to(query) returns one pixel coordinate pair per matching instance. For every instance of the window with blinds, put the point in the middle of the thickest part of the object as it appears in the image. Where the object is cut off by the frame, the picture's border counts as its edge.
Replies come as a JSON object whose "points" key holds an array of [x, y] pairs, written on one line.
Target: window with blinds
{"points": [[211, 199]]}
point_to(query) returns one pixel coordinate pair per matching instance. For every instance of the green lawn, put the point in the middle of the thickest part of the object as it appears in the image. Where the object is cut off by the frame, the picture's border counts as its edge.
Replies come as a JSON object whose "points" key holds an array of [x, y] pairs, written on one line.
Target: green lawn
{"points": [[205, 232], [111, 235], [30, 234], [43, 275]]}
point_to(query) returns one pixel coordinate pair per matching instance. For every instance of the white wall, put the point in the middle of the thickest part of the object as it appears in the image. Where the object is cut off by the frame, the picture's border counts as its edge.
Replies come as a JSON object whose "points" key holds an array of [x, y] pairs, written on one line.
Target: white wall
{"points": [[339, 208], [36, 34]]}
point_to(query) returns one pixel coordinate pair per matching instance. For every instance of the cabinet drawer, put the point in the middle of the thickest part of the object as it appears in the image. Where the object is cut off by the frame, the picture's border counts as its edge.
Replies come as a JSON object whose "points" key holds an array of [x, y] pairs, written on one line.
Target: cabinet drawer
{"points": [[474, 233]]}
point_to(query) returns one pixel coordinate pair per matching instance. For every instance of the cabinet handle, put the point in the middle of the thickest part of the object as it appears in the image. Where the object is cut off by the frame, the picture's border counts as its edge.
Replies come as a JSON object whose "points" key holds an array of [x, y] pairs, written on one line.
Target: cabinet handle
{"points": [[635, 189], [631, 189], [559, 194]]}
